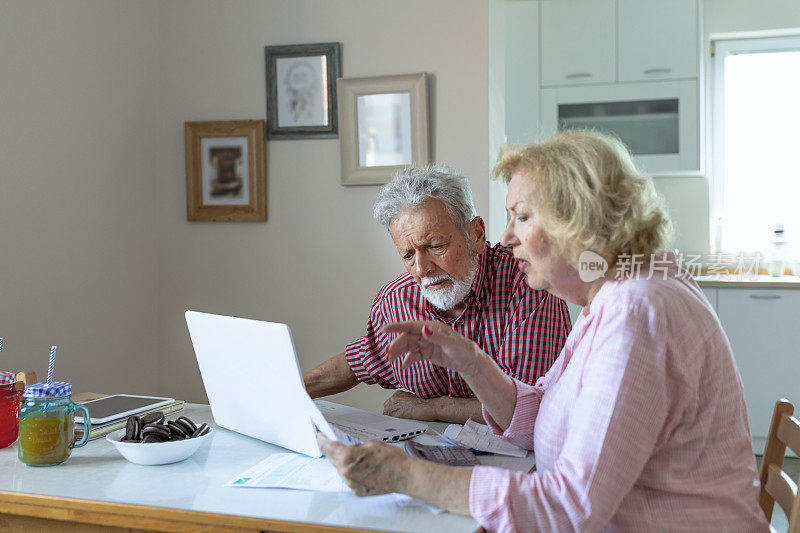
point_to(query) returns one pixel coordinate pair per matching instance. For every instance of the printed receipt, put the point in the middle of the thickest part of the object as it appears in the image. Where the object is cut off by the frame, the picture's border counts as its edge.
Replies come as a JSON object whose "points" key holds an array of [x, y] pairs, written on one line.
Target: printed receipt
{"points": [[480, 437]]}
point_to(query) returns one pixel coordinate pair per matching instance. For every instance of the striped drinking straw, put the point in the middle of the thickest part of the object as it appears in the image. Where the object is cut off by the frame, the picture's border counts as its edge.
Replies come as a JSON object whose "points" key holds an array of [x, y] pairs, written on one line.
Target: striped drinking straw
{"points": [[51, 365]]}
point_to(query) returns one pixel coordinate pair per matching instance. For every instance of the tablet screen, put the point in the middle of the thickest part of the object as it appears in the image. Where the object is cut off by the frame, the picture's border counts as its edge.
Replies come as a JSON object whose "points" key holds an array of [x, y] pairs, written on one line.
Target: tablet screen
{"points": [[119, 405]]}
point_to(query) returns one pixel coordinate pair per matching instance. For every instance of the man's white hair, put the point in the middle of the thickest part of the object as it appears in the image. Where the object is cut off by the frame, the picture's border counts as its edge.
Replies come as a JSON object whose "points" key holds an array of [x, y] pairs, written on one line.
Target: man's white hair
{"points": [[412, 186]]}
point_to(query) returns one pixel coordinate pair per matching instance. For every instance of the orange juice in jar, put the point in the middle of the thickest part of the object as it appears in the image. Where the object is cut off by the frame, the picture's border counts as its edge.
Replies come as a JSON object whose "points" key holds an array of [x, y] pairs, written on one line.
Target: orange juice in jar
{"points": [[47, 424]]}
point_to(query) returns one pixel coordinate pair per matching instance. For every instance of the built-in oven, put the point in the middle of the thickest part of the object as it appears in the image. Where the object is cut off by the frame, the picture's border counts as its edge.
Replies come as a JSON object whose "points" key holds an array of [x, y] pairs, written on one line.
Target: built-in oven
{"points": [[658, 121]]}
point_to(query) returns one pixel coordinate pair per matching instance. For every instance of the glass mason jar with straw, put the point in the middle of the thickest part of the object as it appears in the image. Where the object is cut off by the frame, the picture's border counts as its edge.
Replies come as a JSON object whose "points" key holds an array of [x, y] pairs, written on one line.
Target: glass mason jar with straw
{"points": [[47, 421]]}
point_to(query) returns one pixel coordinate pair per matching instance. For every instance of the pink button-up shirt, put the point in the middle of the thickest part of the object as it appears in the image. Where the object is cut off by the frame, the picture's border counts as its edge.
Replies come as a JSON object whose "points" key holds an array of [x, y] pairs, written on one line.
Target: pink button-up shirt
{"points": [[640, 425]]}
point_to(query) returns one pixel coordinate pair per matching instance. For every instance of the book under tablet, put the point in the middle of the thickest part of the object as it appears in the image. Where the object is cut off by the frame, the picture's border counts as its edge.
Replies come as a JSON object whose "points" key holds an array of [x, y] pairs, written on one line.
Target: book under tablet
{"points": [[120, 406], [268, 400]]}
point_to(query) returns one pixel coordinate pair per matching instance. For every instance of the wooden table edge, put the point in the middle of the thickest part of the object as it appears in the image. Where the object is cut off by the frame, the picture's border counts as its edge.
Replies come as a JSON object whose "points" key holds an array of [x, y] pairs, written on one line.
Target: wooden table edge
{"points": [[146, 517]]}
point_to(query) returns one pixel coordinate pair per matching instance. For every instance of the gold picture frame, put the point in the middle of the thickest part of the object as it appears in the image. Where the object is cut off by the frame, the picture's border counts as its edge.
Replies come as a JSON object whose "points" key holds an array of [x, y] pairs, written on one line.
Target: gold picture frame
{"points": [[226, 171], [383, 126]]}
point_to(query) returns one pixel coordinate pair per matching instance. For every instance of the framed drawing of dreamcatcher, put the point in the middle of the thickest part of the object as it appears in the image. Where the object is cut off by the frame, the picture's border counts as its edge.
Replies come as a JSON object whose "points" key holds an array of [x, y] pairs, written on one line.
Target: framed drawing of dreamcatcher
{"points": [[301, 90]]}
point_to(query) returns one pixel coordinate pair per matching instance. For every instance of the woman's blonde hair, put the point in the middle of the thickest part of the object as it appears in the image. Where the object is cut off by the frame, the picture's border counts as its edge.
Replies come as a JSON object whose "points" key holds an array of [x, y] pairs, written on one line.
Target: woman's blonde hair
{"points": [[589, 195]]}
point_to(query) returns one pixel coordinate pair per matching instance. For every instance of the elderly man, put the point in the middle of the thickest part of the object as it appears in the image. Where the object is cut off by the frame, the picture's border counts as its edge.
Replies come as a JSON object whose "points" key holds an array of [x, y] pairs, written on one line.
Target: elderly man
{"points": [[454, 276]]}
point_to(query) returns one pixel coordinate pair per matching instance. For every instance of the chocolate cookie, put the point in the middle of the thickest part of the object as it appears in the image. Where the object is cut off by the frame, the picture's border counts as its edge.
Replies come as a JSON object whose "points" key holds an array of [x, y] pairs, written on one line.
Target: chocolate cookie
{"points": [[176, 430], [132, 428], [153, 428], [200, 431], [187, 425], [156, 417], [188, 422], [158, 430]]}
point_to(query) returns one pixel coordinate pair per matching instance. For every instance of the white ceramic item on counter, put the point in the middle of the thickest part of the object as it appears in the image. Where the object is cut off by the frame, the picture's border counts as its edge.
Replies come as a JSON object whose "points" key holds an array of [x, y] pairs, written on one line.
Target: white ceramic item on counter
{"points": [[156, 453]]}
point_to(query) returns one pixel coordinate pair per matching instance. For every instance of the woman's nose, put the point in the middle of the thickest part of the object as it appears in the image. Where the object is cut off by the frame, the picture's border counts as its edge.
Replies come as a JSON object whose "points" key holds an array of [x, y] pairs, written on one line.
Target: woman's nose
{"points": [[508, 239]]}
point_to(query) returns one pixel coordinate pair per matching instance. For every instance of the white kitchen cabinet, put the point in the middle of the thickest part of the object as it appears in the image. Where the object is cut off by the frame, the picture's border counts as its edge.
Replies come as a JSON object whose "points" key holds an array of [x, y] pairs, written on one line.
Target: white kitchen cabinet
{"points": [[626, 67], [608, 41], [578, 41], [762, 328], [658, 40], [711, 294]]}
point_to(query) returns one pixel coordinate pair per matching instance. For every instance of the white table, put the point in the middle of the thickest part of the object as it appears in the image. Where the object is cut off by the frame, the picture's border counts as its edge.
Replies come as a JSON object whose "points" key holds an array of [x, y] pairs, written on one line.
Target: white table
{"points": [[96, 485]]}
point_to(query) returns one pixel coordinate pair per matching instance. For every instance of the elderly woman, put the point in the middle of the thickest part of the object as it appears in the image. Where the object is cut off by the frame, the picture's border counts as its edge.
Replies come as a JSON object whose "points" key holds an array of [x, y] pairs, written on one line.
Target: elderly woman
{"points": [[640, 424]]}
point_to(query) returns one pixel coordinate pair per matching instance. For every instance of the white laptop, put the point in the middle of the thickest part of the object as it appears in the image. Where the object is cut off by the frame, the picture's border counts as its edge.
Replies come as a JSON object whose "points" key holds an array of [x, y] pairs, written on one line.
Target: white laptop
{"points": [[255, 387]]}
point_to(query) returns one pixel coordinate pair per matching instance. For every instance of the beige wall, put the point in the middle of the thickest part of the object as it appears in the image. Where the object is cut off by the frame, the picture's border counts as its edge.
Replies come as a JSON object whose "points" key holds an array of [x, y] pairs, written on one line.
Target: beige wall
{"points": [[318, 261], [77, 213], [95, 249]]}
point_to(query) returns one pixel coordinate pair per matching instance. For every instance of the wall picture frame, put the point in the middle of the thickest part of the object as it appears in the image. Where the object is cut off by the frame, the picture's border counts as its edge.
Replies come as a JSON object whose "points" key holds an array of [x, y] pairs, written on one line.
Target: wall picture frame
{"points": [[384, 126], [226, 171], [301, 90]]}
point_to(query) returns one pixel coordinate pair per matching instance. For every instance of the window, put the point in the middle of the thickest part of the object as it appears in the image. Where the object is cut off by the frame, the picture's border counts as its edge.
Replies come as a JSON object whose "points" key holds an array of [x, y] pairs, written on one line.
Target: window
{"points": [[756, 143]]}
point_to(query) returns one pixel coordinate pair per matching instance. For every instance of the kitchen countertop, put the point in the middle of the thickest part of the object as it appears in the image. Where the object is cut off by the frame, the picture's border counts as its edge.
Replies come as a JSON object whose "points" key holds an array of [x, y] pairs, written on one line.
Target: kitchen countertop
{"points": [[734, 281]]}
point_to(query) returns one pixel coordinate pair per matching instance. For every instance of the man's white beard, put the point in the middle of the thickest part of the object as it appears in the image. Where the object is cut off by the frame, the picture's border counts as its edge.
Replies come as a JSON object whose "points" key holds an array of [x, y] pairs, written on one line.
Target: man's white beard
{"points": [[453, 294]]}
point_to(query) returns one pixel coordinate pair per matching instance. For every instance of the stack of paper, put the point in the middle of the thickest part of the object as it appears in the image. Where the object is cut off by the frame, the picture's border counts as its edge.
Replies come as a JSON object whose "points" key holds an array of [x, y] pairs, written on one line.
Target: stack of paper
{"points": [[480, 437]]}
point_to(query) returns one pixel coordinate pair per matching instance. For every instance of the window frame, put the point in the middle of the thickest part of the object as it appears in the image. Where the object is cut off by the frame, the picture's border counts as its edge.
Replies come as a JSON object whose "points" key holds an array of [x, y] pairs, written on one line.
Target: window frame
{"points": [[723, 47]]}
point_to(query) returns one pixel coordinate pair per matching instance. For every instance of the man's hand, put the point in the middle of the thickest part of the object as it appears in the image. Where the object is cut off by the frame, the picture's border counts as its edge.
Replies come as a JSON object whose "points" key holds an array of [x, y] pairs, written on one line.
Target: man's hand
{"points": [[403, 404]]}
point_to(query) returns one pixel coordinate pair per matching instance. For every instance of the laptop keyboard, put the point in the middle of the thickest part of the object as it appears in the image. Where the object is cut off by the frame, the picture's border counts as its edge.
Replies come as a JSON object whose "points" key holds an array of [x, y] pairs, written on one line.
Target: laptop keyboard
{"points": [[362, 434], [359, 434]]}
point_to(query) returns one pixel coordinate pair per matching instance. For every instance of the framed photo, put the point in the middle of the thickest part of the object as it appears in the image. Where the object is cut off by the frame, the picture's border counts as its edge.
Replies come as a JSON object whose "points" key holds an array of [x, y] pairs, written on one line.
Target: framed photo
{"points": [[225, 171], [384, 126], [301, 90]]}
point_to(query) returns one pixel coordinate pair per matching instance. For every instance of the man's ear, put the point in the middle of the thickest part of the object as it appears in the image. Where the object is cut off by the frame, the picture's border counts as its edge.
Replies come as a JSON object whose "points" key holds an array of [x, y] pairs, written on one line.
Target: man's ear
{"points": [[477, 234]]}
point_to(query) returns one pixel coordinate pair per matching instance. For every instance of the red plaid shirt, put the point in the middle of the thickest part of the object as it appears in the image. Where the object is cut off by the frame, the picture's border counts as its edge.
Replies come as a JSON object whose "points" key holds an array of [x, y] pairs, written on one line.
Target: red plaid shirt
{"points": [[522, 329]]}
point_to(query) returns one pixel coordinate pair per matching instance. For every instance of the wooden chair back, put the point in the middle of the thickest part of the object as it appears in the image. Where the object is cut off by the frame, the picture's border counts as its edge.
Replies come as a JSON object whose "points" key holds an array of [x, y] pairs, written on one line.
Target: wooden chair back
{"points": [[776, 485], [27, 377]]}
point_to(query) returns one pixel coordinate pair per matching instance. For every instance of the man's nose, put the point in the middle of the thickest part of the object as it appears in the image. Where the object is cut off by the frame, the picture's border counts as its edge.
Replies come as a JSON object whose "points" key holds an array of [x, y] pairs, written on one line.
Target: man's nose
{"points": [[423, 264]]}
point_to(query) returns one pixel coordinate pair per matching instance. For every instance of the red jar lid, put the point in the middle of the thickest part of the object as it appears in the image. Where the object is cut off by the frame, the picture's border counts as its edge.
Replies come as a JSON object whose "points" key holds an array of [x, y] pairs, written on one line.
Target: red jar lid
{"points": [[7, 378]]}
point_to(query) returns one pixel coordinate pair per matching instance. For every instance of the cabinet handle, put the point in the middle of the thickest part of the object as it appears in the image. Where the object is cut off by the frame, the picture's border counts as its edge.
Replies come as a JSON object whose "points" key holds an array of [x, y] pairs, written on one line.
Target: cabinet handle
{"points": [[576, 75], [765, 296], [658, 71]]}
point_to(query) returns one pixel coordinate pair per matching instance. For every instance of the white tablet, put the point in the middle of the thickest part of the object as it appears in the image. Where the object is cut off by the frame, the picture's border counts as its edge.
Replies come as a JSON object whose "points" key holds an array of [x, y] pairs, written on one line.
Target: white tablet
{"points": [[119, 406]]}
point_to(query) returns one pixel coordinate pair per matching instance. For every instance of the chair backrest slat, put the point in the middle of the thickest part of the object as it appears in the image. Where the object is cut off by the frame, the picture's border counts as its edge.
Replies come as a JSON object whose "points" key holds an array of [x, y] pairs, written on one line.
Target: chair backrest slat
{"points": [[776, 485], [774, 451], [781, 487], [789, 433]]}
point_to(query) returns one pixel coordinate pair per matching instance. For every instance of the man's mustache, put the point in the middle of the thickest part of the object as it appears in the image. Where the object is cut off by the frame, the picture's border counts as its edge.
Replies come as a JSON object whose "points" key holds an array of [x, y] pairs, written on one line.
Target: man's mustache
{"points": [[427, 282]]}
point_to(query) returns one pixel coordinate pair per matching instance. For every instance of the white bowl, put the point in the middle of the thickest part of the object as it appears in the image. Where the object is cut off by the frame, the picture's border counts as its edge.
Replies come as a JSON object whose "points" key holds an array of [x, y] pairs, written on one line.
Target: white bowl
{"points": [[156, 453]]}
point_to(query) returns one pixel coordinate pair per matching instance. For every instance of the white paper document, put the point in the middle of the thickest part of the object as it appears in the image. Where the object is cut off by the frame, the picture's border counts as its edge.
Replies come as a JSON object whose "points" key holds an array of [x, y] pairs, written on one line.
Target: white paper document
{"points": [[300, 472], [480, 437], [292, 471]]}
